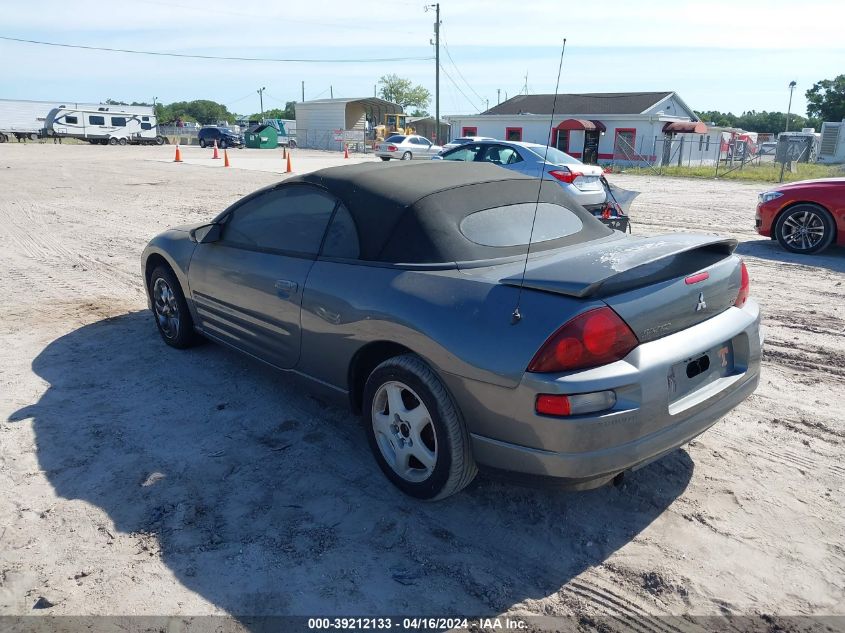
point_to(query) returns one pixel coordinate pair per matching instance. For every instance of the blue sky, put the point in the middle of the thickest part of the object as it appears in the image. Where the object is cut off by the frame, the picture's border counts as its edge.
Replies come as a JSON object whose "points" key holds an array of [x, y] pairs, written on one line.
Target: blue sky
{"points": [[723, 55]]}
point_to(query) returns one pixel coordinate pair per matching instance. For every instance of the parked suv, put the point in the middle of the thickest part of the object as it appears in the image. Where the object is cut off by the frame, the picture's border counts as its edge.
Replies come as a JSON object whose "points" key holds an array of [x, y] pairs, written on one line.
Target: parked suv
{"points": [[224, 136]]}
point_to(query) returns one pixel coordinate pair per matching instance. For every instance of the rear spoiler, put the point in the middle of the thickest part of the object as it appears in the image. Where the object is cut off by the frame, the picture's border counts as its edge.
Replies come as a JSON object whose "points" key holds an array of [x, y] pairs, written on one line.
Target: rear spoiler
{"points": [[618, 265]]}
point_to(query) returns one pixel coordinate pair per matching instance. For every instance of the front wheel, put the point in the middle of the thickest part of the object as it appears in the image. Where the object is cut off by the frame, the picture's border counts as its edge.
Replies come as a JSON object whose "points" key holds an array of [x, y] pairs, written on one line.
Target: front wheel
{"points": [[203, 144], [406, 156], [173, 319], [805, 228], [223, 145], [415, 431]]}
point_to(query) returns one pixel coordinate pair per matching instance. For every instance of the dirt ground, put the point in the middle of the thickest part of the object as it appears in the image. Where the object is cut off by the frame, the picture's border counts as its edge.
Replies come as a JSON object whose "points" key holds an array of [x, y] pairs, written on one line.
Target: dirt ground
{"points": [[137, 479]]}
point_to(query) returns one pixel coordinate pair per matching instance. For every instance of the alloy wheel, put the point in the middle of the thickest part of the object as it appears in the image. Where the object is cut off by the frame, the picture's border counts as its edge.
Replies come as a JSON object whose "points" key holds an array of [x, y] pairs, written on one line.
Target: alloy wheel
{"points": [[803, 230], [404, 431], [166, 308]]}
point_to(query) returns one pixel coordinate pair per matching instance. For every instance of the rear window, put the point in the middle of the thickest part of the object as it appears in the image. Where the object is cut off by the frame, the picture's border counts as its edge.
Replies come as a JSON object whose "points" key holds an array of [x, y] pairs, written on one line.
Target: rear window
{"points": [[553, 155], [396, 138], [511, 225]]}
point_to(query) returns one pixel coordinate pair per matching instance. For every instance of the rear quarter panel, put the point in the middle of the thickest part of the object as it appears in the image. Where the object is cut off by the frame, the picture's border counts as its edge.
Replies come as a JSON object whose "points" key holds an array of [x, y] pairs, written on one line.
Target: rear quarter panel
{"points": [[459, 323]]}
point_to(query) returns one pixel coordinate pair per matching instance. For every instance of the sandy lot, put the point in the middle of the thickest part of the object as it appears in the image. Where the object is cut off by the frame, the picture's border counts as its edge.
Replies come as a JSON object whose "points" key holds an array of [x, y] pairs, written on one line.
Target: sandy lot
{"points": [[136, 479]]}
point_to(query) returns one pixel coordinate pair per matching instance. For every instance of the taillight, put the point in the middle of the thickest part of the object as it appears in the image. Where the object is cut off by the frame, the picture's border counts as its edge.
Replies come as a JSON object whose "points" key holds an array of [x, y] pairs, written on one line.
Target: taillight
{"points": [[744, 286], [566, 176], [391, 148], [594, 338]]}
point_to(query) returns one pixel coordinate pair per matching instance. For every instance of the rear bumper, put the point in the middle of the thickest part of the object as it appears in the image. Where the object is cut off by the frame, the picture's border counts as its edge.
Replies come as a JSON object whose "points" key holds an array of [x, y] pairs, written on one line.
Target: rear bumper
{"points": [[593, 468], [646, 422]]}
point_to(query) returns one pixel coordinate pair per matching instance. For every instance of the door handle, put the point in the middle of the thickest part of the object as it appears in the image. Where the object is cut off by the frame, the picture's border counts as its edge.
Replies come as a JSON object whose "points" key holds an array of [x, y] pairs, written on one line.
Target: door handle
{"points": [[285, 288]]}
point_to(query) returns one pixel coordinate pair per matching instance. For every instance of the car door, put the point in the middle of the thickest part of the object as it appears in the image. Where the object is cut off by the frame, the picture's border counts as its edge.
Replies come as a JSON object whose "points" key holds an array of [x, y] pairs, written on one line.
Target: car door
{"points": [[247, 286]]}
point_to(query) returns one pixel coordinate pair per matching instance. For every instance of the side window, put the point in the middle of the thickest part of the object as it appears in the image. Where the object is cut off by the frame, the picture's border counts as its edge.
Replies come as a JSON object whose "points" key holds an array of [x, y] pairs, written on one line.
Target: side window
{"points": [[500, 155], [118, 121], [291, 219], [71, 120], [146, 126], [145, 118], [96, 120], [465, 152], [342, 236]]}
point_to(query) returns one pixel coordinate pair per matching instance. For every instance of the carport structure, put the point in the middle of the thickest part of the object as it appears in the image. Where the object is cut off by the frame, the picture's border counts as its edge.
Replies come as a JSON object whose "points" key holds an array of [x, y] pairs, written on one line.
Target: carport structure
{"points": [[317, 121]]}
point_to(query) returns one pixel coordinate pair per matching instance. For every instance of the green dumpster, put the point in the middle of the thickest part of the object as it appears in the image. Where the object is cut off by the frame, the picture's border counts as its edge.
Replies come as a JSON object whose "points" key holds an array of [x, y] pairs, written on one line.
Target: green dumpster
{"points": [[262, 137]]}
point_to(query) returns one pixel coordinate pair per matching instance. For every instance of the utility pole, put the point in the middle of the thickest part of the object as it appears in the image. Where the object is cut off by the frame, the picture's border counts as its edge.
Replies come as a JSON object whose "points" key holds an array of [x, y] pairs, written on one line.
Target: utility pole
{"points": [[303, 91], [498, 96], [260, 92], [374, 90], [792, 85], [436, 43], [331, 91], [488, 103]]}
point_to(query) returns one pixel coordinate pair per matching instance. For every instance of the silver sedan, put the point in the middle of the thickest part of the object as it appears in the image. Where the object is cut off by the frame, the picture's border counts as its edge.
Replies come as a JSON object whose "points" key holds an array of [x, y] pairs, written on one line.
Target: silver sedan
{"points": [[407, 147]]}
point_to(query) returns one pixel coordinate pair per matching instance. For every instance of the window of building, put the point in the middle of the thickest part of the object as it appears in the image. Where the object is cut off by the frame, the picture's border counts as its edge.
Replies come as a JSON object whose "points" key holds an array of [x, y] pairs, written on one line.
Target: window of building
{"points": [[96, 120], [146, 126], [72, 120], [291, 219], [562, 141], [469, 131], [118, 121], [624, 142], [513, 133]]}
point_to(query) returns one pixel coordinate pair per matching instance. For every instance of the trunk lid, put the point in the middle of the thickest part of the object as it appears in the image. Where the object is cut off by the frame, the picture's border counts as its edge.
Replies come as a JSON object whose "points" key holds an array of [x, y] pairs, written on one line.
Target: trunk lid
{"points": [[658, 285]]}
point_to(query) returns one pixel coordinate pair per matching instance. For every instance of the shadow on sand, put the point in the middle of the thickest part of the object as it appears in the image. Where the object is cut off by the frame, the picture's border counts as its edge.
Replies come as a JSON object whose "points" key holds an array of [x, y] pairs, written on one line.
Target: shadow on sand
{"points": [[833, 258], [265, 501]]}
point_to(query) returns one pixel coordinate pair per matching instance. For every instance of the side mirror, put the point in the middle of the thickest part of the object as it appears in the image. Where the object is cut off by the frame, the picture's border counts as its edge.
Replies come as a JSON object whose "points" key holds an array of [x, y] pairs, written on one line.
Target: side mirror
{"points": [[206, 234]]}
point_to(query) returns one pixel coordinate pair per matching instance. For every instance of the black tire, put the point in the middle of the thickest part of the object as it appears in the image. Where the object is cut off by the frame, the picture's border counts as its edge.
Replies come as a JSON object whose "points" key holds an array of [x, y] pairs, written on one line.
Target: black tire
{"points": [[454, 467], [222, 145], [121, 141], [407, 156], [292, 144], [819, 227], [385, 158], [159, 140], [183, 335], [203, 144], [112, 141]]}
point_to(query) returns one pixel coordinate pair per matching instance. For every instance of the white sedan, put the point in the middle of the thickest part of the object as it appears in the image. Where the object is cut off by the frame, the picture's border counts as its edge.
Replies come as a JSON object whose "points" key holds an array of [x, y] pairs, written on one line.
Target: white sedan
{"points": [[407, 147]]}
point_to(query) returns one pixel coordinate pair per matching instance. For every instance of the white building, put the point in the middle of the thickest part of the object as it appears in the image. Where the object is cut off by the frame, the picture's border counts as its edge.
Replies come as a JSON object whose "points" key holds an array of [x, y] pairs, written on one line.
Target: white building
{"points": [[616, 127], [319, 122]]}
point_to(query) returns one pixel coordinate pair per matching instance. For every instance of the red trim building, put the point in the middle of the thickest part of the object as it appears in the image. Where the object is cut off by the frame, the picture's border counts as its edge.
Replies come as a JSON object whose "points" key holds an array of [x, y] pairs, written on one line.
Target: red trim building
{"points": [[617, 127]]}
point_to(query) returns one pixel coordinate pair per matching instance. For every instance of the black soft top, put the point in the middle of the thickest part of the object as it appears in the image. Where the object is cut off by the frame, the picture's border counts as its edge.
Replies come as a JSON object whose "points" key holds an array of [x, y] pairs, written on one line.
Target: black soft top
{"points": [[411, 213]]}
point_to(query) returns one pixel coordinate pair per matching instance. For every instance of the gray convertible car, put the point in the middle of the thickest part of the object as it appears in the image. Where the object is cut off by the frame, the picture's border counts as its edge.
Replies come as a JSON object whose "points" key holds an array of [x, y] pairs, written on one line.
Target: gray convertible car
{"points": [[405, 290]]}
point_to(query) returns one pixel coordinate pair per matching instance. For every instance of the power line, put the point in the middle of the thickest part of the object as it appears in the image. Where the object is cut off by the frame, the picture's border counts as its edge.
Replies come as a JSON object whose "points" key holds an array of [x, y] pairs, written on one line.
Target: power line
{"points": [[458, 70], [220, 57], [458, 88]]}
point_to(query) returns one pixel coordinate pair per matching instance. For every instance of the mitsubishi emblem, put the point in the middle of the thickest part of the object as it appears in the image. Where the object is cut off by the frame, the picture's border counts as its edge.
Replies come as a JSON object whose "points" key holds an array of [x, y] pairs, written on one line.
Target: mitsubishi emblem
{"points": [[702, 304]]}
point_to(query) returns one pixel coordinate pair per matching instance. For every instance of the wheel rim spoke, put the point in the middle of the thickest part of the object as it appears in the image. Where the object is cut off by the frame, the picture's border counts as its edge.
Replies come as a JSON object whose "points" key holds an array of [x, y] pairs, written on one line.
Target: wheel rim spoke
{"points": [[405, 437]]}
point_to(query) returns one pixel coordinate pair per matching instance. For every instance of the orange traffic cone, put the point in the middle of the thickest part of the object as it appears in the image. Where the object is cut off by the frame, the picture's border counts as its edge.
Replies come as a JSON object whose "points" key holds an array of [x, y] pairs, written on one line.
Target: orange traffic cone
{"points": [[346, 151], [216, 154], [225, 158], [289, 170], [178, 158]]}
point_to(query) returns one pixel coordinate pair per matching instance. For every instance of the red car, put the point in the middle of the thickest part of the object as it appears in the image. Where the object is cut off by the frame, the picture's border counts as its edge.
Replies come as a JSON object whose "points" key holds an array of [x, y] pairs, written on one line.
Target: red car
{"points": [[805, 217]]}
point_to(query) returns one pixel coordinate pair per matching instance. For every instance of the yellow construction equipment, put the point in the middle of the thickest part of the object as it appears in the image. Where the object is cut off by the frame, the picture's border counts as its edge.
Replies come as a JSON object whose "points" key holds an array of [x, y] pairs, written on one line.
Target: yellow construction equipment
{"points": [[393, 124]]}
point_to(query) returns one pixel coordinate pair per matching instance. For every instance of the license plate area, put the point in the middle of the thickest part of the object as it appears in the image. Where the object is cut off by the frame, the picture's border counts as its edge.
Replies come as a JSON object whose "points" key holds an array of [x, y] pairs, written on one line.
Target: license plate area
{"points": [[702, 369]]}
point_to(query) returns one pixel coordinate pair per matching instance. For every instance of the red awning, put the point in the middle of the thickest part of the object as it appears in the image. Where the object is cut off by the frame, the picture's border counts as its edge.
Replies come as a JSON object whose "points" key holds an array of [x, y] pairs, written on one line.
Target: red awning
{"points": [[685, 127], [581, 124]]}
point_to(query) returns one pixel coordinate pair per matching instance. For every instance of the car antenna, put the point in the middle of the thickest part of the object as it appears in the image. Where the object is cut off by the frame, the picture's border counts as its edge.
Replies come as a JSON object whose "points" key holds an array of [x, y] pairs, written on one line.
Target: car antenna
{"points": [[516, 317]]}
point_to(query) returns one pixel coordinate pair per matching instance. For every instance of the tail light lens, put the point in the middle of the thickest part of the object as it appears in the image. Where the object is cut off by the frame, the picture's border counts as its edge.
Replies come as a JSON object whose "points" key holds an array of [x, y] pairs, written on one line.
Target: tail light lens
{"points": [[744, 287], [565, 175], [391, 148], [594, 338]]}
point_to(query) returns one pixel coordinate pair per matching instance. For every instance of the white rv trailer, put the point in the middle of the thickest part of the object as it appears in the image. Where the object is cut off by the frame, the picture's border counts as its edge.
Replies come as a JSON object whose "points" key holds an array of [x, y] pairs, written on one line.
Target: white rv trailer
{"points": [[105, 125], [24, 119]]}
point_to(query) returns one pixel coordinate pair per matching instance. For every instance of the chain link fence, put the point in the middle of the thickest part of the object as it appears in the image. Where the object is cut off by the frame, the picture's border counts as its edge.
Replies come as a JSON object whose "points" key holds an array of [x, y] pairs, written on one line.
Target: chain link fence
{"points": [[722, 154]]}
